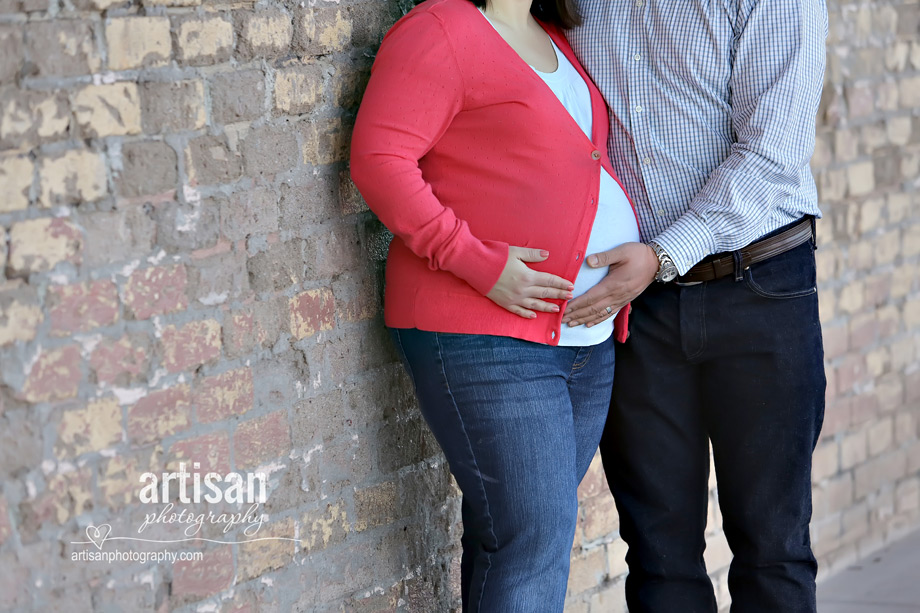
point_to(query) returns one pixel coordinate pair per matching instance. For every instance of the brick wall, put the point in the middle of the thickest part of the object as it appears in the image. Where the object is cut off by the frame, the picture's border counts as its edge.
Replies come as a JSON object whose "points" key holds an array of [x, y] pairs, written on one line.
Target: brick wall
{"points": [[189, 275]]}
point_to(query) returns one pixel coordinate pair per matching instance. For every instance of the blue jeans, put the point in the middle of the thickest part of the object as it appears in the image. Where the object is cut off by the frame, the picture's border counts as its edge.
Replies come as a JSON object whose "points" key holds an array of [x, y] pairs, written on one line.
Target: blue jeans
{"points": [[519, 423], [739, 362]]}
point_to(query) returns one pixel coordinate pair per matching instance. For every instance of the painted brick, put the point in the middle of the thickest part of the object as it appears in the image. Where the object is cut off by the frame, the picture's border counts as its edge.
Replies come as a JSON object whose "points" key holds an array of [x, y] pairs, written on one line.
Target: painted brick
{"points": [[82, 306], [94, 427], [260, 440], [203, 40], [224, 395], [191, 345], [15, 182], [311, 312], [75, 176], [159, 414], [134, 42], [155, 291], [120, 361], [108, 110]]}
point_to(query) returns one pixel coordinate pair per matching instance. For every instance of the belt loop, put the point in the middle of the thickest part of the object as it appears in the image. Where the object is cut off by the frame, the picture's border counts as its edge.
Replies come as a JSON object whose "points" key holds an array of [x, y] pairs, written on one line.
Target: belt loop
{"points": [[814, 233], [739, 271]]}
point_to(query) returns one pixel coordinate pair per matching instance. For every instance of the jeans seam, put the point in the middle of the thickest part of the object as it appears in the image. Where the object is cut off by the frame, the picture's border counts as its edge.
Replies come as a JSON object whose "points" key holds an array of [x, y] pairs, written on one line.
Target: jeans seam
{"points": [[580, 365], [475, 464]]}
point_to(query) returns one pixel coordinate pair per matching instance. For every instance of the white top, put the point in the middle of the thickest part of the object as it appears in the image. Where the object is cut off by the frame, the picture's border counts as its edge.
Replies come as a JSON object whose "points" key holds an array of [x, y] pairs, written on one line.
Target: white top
{"points": [[614, 223]]}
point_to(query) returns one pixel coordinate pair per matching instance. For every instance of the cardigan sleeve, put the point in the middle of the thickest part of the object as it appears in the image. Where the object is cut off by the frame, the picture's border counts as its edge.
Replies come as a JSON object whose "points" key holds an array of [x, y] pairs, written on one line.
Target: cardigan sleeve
{"points": [[415, 90]]}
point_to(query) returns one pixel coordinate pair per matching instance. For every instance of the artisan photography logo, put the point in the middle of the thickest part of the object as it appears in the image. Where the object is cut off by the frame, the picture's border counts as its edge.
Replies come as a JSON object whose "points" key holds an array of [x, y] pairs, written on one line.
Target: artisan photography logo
{"points": [[245, 491]]}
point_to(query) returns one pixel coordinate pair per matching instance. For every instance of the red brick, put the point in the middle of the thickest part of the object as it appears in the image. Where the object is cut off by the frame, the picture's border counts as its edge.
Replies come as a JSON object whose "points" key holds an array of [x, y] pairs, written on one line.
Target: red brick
{"points": [[191, 345], [224, 395], [311, 312], [156, 291], [119, 361], [82, 306], [54, 375], [210, 575], [211, 451], [159, 414], [259, 440]]}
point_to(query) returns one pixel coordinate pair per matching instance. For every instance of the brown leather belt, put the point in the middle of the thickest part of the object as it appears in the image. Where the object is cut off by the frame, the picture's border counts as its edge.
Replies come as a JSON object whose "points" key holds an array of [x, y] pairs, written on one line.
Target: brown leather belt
{"points": [[723, 264]]}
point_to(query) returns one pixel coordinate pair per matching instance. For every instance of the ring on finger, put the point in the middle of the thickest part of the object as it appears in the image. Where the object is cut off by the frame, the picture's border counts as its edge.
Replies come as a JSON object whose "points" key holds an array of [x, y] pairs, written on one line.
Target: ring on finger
{"points": [[609, 310]]}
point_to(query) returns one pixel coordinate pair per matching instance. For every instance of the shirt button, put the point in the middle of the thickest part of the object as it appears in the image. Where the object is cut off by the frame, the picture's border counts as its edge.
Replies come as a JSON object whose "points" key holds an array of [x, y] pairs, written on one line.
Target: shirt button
{"points": [[647, 161], [639, 3], [638, 108], [596, 154], [637, 57], [661, 212]]}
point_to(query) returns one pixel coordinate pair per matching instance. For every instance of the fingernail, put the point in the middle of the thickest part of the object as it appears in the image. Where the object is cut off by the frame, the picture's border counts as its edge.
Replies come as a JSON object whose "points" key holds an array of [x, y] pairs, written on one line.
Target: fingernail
{"points": [[533, 315], [569, 296], [555, 309], [589, 325], [544, 253], [571, 287], [592, 260]]}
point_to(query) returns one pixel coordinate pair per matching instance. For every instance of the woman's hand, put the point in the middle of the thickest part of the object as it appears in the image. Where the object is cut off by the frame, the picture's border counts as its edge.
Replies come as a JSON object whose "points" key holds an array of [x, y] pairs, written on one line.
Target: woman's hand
{"points": [[522, 290]]}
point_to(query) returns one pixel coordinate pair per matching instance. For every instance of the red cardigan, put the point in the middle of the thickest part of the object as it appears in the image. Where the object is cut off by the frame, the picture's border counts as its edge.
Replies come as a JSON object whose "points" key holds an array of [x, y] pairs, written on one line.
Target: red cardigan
{"points": [[461, 150]]}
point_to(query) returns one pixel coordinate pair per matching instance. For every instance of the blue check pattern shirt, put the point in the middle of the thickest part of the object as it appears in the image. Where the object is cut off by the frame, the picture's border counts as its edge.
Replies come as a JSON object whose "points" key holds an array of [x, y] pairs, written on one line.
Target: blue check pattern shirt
{"points": [[713, 113]]}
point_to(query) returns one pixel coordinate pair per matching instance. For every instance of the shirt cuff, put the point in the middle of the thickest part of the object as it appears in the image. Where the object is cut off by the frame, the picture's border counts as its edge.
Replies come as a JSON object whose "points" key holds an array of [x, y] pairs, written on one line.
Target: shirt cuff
{"points": [[688, 240]]}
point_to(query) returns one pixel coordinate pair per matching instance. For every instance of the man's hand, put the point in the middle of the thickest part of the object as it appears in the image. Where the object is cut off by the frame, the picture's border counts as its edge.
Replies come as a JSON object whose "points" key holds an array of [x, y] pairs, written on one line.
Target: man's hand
{"points": [[633, 267], [521, 288]]}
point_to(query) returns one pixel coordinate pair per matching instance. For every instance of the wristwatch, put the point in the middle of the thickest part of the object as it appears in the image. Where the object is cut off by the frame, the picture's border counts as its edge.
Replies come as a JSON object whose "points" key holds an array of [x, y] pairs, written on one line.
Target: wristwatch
{"points": [[667, 270]]}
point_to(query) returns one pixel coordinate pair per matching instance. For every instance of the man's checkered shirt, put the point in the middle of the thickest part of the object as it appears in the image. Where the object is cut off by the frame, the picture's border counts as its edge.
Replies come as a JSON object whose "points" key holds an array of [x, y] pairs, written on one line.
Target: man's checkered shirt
{"points": [[713, 113]]}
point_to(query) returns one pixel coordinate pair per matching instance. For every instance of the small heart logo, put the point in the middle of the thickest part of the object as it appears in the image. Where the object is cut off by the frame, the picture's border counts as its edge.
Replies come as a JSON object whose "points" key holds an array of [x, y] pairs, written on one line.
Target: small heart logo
{"points": [[98, 534]]}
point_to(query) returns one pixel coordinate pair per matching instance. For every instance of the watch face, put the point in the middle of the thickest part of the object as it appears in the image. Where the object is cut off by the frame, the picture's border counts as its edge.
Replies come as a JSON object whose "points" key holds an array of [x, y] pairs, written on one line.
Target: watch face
{"points": [[669, 274]]}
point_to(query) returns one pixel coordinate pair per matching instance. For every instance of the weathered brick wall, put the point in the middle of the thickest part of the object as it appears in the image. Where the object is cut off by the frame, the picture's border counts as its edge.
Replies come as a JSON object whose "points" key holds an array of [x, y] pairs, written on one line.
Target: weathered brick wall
{"points": [[189, 275]]}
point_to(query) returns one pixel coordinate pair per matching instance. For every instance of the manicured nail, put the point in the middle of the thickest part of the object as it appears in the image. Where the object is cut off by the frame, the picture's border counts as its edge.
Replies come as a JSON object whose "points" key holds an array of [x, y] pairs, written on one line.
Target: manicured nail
{"points": [[544, 253], [570, 287], [555, 308], [569, 296], [533, 315]]}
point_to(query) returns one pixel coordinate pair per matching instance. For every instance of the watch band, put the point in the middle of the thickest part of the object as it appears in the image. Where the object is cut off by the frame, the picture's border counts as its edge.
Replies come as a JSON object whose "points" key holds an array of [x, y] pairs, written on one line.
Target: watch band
{"points": [[667, 270]]}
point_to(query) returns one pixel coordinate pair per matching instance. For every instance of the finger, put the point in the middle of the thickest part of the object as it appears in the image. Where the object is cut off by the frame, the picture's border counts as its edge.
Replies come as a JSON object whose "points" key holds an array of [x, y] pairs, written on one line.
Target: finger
{"points": [[540, 305], [580, 308], [614, 310], [603, 317], [517, 310], [525, 254], [592, 312], [546, 279], [547, 293], [605, 258]]}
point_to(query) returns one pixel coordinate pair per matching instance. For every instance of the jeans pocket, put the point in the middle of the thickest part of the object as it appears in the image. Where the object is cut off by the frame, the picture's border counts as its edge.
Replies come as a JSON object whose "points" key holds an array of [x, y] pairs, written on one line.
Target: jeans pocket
{"points": [[788, 275]]}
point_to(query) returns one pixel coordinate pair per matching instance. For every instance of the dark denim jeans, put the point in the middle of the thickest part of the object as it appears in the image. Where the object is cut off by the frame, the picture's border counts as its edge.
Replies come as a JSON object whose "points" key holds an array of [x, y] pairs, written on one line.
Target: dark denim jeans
{"points": [[519, 423], [738, 363]]}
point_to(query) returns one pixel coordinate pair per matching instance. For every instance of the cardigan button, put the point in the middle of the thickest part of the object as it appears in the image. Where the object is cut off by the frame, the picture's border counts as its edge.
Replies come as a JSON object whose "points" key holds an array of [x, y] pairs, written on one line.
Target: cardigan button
{"points": [[596, 155]]}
